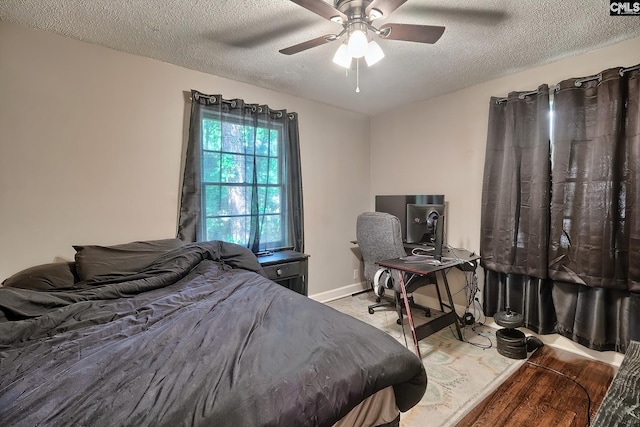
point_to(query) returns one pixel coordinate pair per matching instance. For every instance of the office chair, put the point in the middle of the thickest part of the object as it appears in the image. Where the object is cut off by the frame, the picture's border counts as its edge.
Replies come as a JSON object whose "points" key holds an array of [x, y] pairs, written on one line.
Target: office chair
{"points": [[379, 237]]}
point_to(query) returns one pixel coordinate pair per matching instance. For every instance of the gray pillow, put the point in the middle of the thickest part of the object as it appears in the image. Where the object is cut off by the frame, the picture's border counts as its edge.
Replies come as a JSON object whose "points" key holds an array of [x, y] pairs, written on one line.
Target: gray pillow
{"points": [[44, 277], [94, 262]]}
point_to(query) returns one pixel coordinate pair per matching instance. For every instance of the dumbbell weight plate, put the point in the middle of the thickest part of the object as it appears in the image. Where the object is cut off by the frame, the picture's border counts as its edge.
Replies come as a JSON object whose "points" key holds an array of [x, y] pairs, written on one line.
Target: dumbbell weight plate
{"points": [[508, 319]]}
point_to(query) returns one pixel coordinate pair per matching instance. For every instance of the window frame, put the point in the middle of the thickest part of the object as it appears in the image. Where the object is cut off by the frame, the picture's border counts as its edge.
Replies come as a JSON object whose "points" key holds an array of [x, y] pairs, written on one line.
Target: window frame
{"points": [[281, 185]]}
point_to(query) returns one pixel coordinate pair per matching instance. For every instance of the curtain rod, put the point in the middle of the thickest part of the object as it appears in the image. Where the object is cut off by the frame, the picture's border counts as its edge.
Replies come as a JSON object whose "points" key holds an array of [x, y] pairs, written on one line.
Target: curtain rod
{"points": [[252, 107], [578, 83]]}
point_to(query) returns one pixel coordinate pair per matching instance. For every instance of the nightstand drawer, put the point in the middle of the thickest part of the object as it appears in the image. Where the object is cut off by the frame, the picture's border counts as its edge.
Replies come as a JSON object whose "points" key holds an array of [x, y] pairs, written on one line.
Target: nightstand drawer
{"points": [[287, 268], [281, 271]]}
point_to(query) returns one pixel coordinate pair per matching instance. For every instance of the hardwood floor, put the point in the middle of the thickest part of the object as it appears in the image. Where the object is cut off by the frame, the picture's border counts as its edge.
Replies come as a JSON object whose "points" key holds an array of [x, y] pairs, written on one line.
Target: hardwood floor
{"points": [[536, 396]]}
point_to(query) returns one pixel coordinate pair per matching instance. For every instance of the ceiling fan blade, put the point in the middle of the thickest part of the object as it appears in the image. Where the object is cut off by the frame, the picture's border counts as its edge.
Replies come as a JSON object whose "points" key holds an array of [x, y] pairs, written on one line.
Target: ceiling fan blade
{"points": [[384, 6], [474, 15], [321, 8], [318, 41], [411, 32]]}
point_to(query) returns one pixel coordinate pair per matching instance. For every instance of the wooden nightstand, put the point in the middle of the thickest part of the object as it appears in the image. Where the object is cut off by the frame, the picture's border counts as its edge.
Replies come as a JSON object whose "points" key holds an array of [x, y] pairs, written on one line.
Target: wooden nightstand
{"points": [[287, 268]]}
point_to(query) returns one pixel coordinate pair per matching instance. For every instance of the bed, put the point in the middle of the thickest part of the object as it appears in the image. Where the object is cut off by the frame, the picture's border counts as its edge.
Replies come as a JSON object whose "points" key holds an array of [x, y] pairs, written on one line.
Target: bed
{"points": [[164, 333]]}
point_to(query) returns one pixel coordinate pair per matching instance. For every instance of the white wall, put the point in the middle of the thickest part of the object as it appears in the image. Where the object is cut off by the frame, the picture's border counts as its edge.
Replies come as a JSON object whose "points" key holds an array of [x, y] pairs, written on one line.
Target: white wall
{"points": [[439, 145], [91, 141]]}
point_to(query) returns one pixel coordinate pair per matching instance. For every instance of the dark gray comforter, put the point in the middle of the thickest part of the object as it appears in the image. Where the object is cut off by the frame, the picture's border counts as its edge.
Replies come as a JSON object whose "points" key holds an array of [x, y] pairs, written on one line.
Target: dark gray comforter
{"points": [[198, 338]]}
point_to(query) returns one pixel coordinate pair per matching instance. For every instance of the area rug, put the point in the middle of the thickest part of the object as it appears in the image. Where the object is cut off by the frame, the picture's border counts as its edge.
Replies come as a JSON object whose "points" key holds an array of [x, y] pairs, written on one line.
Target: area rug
{"points": [[460, 374]]}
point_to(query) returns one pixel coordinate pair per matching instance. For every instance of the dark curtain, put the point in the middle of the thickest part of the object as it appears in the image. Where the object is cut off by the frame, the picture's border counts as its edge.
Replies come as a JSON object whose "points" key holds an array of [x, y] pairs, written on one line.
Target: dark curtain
{"points": [[589, 234], [590, 293], [191, 225], [515, 189], [515, 209], [598, 318], [593, 251]]}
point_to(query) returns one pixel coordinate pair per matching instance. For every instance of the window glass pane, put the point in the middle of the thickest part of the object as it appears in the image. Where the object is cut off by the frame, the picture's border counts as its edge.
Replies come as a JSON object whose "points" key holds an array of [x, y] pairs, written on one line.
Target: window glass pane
{"points": [[269, 200], [238, 202], [274, 171], [248, 169], [233, 168], [211, 167], [273, 200], [262, 192], [212, 196], [262, 142], [210, 134], [271, 231], [233, 138], [263, 172], [229, 229], [274, 145], [268, 170], [227, 200], [248, 139]]}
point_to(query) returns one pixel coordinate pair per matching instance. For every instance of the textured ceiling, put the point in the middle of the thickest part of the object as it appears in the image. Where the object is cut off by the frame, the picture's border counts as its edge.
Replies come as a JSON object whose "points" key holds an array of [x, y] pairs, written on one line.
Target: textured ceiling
{"points": [[240, 39]]}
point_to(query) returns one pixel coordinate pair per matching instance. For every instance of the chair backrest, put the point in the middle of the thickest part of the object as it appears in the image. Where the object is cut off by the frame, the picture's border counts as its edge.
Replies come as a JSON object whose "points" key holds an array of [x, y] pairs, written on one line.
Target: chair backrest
{"points": [[379, 237]]}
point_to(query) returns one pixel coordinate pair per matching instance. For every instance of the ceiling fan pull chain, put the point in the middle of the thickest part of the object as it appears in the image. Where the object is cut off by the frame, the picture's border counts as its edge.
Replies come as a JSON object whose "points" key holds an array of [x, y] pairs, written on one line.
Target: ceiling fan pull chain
{"points": [[357, 75]]}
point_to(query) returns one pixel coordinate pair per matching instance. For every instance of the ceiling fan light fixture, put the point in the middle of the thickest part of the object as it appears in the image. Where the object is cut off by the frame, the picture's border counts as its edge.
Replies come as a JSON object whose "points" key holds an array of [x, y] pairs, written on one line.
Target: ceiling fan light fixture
{"points": [[375, 14], [357, 44], [342, 57], [374, 53]]}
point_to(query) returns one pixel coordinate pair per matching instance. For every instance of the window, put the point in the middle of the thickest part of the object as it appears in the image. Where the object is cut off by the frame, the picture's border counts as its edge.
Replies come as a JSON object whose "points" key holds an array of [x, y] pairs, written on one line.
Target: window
{"points": [[242, 181], [234, 157]]}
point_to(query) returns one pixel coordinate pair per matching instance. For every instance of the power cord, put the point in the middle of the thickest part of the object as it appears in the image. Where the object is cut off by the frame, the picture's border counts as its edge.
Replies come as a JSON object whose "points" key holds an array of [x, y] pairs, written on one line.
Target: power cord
{"points": [[422, 252], [572, 379], [471, 289], [471, 313], [478, 334]]}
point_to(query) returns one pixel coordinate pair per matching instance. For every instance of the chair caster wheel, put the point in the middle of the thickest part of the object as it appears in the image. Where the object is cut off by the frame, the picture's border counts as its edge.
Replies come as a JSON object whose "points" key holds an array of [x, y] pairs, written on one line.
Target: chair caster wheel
{"points": [[398, 321], [371, 311]]}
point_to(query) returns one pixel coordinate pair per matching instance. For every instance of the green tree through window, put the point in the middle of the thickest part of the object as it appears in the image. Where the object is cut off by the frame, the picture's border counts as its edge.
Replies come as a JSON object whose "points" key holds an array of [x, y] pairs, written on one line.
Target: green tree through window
{"points": [[242, 180], [234, 157]]}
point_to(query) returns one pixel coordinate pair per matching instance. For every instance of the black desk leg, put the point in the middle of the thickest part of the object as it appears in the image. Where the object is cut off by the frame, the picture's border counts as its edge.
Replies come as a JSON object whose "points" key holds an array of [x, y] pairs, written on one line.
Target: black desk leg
{"points": [[451, 306]]}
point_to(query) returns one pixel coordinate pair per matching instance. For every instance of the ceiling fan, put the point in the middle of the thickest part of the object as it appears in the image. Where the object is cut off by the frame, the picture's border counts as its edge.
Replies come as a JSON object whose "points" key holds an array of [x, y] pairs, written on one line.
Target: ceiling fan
{"points": [[356, 18]]}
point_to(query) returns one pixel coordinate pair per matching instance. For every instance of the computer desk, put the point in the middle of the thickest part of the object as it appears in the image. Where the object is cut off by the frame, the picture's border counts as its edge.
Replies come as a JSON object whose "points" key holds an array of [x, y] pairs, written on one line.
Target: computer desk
{"points": [[450, 258]]}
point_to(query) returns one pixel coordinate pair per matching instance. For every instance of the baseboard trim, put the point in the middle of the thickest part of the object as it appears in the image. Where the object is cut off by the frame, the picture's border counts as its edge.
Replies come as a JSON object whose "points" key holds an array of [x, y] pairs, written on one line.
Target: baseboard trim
{"points": [[335, 294]]}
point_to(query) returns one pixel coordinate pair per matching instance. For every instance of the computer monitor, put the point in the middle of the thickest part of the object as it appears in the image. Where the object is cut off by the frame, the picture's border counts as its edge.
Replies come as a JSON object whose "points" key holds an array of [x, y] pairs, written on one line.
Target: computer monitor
{"points": [[397, 205], [425, 223]]}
